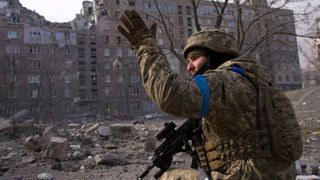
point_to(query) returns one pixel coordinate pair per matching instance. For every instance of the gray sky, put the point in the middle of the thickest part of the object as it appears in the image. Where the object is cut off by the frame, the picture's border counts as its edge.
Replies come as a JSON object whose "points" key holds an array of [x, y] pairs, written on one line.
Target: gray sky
{"points": [[55, 10]]}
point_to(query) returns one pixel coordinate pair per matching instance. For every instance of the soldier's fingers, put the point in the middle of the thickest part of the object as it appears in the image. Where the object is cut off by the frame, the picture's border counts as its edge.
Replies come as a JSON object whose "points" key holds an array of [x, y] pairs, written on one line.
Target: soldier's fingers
{"points": [[127, 23], [137, 20], [124, 32]]}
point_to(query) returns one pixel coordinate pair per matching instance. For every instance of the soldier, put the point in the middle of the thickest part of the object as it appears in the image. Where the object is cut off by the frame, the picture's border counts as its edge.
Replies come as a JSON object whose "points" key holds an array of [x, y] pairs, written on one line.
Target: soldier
{"points": [[234, 145]]}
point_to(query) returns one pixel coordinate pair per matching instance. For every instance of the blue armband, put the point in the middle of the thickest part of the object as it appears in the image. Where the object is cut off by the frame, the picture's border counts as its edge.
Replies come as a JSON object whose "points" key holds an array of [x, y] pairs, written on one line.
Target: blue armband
{"points": [[203, 86]]}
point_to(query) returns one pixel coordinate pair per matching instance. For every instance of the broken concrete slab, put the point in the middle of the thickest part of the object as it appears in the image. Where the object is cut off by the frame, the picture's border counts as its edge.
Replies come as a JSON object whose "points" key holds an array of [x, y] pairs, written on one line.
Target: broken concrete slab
{"points": [[32, 143], [6, 126], [109, 159], [122, 130], [57, 148]]}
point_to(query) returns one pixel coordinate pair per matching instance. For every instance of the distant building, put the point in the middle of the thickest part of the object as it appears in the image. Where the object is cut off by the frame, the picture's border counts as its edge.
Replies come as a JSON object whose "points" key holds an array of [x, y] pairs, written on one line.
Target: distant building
{"points": [[311, 77], [86, 66]]}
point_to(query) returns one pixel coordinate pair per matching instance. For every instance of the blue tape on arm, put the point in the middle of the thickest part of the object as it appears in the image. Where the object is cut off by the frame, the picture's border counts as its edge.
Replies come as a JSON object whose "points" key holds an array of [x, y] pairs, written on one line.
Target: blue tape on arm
{"points": [[237, 69], [203, 86]]}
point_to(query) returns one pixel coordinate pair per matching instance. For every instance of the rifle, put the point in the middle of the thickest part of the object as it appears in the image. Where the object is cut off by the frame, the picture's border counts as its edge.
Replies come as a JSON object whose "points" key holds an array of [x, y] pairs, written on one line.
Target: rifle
{"points": [[176, 140]]}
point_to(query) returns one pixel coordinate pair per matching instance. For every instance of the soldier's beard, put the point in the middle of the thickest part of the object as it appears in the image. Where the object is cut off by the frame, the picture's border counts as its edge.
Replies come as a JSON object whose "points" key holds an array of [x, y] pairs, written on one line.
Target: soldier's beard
{"points": [[203, 69]]}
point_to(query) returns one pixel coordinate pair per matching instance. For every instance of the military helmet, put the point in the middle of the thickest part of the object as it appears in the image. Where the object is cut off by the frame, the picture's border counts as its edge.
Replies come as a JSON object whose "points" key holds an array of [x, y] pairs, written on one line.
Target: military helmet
{"points": [[217, 40]]}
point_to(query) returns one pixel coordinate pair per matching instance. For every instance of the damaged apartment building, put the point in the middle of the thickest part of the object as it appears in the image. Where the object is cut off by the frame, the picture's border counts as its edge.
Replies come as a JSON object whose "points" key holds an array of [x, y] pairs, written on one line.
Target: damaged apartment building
{"points": [[86, 67]]}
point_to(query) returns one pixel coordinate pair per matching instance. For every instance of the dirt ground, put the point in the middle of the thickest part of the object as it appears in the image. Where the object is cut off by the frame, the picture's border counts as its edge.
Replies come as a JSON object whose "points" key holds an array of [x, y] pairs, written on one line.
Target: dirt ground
{"points": [[132, 154]]}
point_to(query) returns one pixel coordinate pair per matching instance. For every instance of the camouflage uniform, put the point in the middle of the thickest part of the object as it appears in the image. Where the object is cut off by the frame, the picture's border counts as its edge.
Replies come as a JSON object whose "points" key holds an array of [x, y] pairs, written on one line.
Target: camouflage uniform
{"points": [[232, 113], [231, 137]]}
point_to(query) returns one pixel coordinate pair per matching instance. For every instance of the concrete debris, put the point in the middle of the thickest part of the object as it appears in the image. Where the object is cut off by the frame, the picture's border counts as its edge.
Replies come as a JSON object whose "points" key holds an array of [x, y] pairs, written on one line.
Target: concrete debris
{"points": [[19, 115], [122, 130], [104, 131], [115, 149], [6, 126], [45, 176], [32, 143], [57, 148], [92, 129], [74, 126]]}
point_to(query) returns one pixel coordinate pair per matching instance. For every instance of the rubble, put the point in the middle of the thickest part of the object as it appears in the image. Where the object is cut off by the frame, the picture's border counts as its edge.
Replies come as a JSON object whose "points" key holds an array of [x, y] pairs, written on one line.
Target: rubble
{"points": [[116, 149], [57, 148], [6, 126]]}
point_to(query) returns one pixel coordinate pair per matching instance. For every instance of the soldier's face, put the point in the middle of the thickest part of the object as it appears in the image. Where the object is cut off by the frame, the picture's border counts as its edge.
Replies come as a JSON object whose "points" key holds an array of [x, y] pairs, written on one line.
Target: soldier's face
{"points": [[195, 62]]}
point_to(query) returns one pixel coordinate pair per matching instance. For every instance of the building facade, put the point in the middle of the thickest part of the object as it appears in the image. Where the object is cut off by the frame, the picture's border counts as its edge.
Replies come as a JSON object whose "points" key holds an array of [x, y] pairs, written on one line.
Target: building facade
{"points": [[86, 66]]}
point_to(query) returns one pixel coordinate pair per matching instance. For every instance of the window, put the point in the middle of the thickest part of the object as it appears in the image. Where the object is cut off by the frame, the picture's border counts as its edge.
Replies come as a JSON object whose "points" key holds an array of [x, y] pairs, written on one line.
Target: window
{"points": [[54, 93], [179, 9], [120, 78], [13, 49], [12, 78], [119, 52], [189, 21], [67, 79], [93, 52], [180, 20], [67, 36], [189, 32], [81, 52], [130, 52], [34, 93], [134, 78], [34, 64], [106, 40], [121, 92], [53, 50], [189, 12], [107, 52], [93, 39], [135, 105], [81, 40], [34, 49], [13, 35], [131, 3], [68, 64], [106, 26], [117, 2], [67, 93], [134, 91], [106, 65], [108, 79], [13, 63], [118, 40], [67, 50], [107, 91], [35, 35], [34, 78]]}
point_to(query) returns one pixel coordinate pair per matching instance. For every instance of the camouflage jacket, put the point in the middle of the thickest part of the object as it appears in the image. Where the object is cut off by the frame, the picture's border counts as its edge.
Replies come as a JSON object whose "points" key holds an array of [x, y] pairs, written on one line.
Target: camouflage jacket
{"points": [[233, 103]]}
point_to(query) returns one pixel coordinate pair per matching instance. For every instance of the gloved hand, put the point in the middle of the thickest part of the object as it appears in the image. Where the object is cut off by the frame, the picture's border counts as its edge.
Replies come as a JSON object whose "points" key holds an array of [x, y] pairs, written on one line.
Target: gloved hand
{"points": [[137, 29]]}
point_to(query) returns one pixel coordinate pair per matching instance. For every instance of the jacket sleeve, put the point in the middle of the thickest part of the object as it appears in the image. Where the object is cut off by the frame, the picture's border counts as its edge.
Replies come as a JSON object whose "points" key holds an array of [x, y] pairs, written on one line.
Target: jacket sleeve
{"points": [[169, 91]]}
